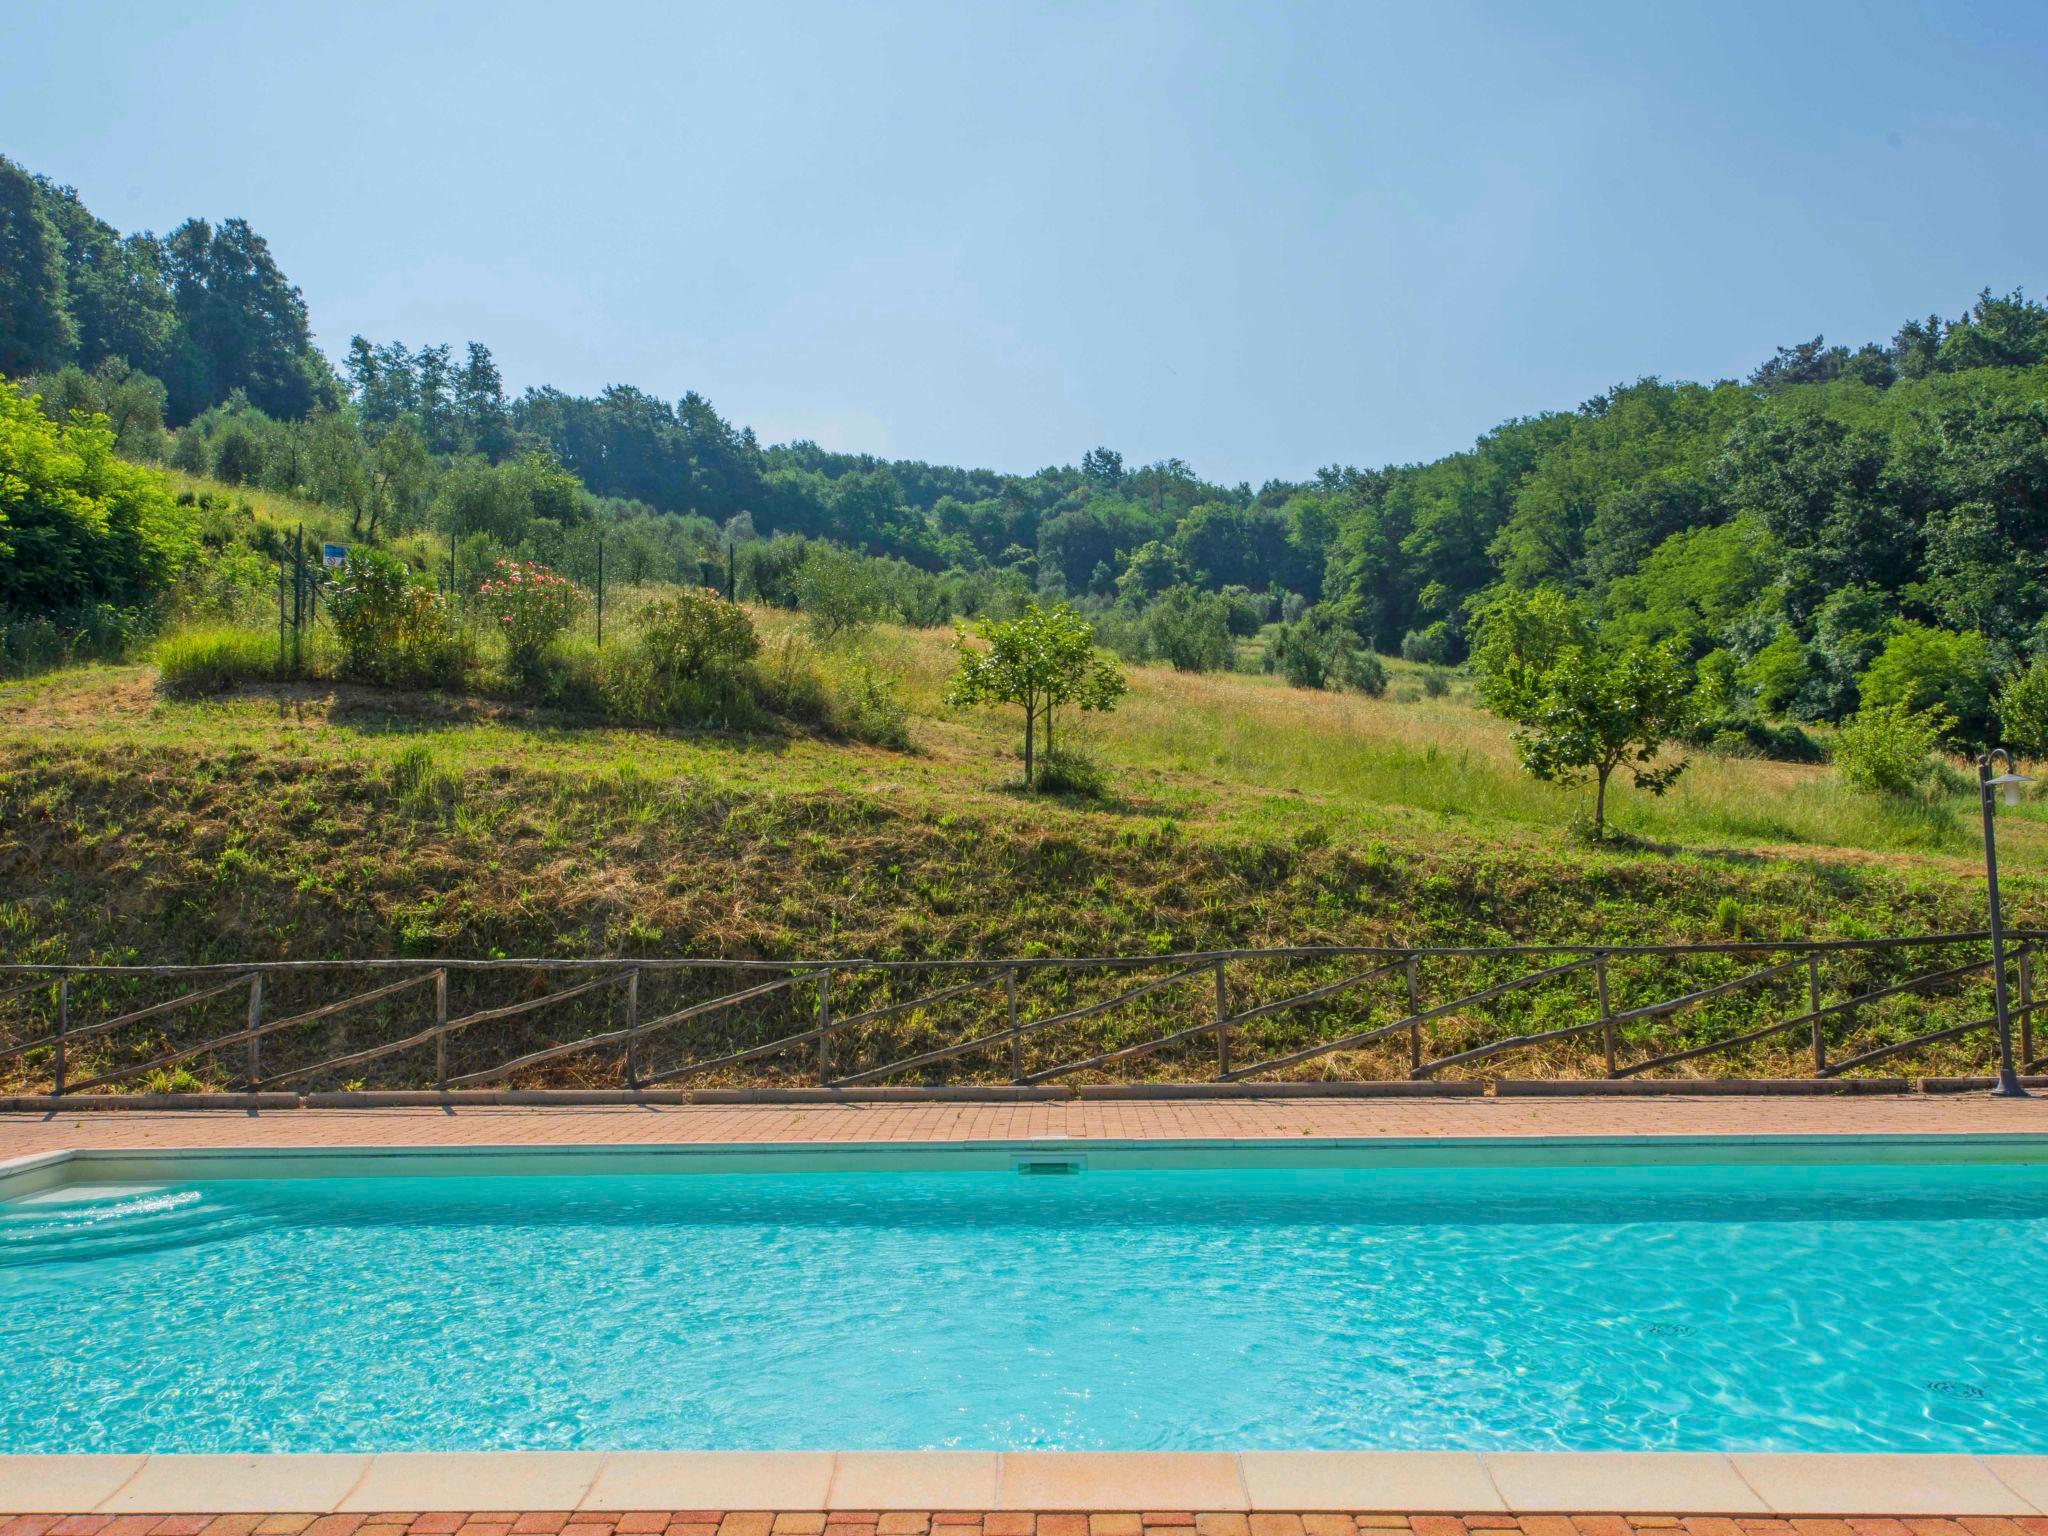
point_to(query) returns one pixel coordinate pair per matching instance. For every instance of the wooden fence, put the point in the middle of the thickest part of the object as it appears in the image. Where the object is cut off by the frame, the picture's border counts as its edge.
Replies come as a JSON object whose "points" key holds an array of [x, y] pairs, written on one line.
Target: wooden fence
{"points": [[1819, 1009]]}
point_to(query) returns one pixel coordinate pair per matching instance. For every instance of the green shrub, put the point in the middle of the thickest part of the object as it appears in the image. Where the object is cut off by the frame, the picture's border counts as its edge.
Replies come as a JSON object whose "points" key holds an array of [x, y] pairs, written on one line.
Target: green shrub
{"points": [[36, 642], [214, 659], [78, 526], [1737, 735], [391, 629], [188, 452], [237, 455], [1888, 749], [1431, 645], [1360, 669], [232, 584], [696, 634], [631, 689], [1319, 651], [686, 664], [1297, 652], [1436, 682], [1065, 771], [572, 674]]}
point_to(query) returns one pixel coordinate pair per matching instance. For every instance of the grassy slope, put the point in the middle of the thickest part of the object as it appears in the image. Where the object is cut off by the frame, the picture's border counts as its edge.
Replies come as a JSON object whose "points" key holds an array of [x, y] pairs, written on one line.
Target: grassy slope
{"points": [[310, 823]]}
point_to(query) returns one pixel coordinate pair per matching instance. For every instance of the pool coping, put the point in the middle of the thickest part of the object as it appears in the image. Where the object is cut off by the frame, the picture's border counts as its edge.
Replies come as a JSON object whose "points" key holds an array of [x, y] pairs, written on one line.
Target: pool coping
{"points": [[1732, 1483], [1770, 1484]]}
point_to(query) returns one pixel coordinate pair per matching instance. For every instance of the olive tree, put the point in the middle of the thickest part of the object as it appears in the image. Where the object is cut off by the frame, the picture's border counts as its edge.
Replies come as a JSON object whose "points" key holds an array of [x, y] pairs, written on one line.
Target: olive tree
{"points": [[841, 591], [1043, 659]]}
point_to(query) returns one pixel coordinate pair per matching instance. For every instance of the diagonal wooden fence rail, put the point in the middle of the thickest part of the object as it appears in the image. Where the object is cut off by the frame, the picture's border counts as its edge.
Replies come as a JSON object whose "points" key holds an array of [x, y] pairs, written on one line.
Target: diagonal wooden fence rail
{"points": [[1791, 1009]]}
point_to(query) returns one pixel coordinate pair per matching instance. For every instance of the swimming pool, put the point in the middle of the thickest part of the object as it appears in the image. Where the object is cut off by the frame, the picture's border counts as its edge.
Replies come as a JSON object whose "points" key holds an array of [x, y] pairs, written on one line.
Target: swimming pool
{"points": [[1497, 1298]]}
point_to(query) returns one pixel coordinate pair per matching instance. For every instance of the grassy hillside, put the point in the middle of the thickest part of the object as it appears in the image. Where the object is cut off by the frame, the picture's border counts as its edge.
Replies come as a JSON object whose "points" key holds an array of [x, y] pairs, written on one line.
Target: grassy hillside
{"points": [[318, 821]]}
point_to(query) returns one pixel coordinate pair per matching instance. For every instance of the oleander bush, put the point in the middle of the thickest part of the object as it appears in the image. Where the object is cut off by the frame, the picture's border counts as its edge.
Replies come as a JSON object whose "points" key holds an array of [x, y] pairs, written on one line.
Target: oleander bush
{"points": [[530, 606]]}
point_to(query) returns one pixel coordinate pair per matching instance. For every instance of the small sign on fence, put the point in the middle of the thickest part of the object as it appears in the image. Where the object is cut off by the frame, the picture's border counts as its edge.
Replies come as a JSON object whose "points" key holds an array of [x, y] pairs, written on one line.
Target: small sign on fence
{"points": [[333, 555]]}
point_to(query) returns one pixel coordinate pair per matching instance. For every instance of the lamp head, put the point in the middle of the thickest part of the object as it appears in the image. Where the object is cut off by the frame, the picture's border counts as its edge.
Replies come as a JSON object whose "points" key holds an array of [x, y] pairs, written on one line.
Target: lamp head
{"points": [[2009, 785]]}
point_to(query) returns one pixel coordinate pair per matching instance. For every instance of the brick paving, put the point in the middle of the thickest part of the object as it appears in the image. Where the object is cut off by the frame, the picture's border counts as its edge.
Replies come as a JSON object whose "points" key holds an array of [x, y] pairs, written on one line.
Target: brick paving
{"points": [[1138, 1119], [703, 1522]]}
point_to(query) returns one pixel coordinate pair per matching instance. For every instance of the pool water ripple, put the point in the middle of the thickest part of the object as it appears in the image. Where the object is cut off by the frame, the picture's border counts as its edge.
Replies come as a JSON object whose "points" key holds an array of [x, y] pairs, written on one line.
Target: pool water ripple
{"points": [[1648, 1308]]}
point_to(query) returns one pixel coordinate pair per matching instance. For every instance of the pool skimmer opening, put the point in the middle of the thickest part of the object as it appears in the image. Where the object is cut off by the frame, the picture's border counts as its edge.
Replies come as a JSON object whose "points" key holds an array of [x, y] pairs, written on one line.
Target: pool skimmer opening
{"points": [[1052, 1165]]}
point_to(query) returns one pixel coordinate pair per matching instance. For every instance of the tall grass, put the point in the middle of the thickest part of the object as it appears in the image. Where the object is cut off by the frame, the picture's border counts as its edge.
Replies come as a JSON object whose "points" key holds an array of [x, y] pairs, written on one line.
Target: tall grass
{"points": [[1249, 750], [213, 659], [1229, 733]]}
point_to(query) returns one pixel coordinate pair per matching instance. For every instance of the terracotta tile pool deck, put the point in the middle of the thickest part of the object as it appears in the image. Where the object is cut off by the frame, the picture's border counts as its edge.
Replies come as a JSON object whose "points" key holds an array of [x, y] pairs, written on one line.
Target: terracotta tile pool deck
{"points": [[704, 1522], [1023, 1494], [711, 1522], [1124, 1119]]}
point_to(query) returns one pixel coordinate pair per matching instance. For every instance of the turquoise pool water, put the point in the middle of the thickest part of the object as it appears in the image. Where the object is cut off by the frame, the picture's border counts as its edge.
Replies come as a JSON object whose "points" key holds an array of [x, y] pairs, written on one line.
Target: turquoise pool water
{"points": [[1834, 1308]]}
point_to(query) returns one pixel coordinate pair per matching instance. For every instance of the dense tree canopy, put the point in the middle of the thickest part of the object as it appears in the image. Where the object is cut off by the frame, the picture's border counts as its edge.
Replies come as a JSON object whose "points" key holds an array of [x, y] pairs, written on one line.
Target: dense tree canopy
{"points": [[1778, 533], [205, 309]]}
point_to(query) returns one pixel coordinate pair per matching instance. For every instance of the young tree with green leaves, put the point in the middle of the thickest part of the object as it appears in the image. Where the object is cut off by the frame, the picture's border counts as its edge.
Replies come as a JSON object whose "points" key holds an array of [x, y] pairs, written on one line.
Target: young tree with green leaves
{"points": [[2023, 711], [1925, 668], [1579, 708], [1189, 629], [841, 591], [1042, 659]]}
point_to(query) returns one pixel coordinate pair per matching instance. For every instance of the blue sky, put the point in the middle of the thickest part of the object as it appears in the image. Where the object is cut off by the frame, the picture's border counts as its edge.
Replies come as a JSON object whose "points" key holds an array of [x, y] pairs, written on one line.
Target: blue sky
{"points": [[1264, 237]]}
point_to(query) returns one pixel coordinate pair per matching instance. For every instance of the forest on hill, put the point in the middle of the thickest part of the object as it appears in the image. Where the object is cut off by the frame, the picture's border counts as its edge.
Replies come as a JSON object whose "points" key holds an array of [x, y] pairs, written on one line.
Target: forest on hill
{"points": [[1840, 510]]}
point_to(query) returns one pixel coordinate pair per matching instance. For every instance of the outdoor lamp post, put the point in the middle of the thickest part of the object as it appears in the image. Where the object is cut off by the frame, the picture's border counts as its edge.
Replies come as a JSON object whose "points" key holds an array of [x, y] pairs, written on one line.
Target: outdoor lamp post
{"points": [[2008, 1084]]}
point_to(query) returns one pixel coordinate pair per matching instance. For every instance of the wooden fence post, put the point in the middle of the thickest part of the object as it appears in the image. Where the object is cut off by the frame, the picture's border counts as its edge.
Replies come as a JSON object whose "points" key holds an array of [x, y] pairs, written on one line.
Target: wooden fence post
{"points": [[441, 1030], [1222, 1025], [1607, 1040], [255, 1022], [63, 1028], [1820, 1039], [632, 1002], [1016, 1038], [2026, 1005], [824, 1025], [1414, 1007]]}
